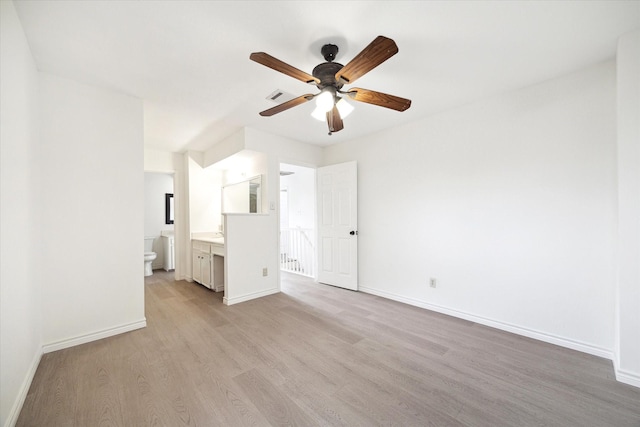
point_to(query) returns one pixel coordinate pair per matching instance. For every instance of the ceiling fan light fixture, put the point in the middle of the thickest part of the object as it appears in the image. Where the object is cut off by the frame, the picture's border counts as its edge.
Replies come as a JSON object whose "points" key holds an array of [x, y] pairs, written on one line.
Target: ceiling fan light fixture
{"points": [[319, 114], [325, 101], [344, 108]]}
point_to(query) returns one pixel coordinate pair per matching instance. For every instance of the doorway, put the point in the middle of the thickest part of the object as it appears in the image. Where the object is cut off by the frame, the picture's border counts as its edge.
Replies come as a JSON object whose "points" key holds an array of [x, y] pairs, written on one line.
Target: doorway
{"points": [[158, 219], [298, 242]]}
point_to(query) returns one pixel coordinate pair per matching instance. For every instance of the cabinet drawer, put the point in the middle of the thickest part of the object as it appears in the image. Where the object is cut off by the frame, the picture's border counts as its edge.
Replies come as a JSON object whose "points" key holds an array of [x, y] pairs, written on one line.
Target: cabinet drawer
{"points": [[217, 249], [201, 246]]}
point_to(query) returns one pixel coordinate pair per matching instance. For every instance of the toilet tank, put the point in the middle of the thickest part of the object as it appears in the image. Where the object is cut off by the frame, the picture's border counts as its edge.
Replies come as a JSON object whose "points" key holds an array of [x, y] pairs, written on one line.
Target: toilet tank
{"points": [[148, 243]]}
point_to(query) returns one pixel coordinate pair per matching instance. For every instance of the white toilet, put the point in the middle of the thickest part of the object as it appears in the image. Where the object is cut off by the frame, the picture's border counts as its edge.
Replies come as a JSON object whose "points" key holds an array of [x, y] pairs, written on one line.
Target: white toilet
{"points": [[149, 255]]}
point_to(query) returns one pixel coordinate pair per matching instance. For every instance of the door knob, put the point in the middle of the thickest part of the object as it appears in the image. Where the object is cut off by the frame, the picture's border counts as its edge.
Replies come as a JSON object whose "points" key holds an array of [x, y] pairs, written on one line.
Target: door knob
{"points": [[353, 233]]}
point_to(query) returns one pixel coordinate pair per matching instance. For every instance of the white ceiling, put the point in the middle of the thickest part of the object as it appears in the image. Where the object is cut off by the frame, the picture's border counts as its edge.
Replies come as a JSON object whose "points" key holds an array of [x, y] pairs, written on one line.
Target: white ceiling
{"points": [[189, 60]]}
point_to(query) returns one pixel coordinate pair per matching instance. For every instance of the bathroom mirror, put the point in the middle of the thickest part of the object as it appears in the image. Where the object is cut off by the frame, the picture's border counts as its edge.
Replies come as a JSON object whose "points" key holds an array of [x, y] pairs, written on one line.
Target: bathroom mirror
{"points": [[243, 197], [168, 208]]}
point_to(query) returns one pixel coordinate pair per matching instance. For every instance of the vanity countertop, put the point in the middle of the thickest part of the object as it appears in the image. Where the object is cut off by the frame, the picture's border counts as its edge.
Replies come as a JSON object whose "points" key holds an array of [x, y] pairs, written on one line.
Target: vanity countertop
{"points": [[216, 240], [211, 237]]}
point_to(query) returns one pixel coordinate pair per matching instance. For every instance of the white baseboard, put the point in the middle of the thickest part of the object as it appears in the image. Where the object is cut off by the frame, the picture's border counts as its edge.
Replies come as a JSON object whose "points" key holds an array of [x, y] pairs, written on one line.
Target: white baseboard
{"points": [[247, 297], [12, 419], [627, 377], [530, 333], [93, 336]]}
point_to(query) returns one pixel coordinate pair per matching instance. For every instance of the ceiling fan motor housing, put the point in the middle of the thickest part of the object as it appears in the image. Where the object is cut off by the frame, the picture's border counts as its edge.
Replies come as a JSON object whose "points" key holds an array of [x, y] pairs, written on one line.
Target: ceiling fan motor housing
{"points": [[326, 73]]}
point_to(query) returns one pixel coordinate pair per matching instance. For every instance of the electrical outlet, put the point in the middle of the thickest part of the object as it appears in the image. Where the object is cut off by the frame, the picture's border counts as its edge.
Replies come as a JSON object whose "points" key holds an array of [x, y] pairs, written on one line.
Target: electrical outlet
{"points": [[432, 282], [265, 272]]}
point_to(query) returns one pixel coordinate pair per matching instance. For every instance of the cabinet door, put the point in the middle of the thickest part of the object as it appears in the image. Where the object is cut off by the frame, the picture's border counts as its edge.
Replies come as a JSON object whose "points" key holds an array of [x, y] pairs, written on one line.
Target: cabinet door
{"points": [[206, 270], [197, 274]]}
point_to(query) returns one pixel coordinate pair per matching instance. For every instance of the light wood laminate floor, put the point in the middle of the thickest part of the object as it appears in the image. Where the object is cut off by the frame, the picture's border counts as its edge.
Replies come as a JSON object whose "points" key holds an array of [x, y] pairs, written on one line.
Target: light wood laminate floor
{"points": [[319, 355]]}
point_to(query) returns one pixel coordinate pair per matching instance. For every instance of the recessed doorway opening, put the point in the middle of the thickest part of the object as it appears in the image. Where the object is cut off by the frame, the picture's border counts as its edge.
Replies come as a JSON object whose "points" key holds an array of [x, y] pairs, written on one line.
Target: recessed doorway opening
{"points": [[298, 242]]}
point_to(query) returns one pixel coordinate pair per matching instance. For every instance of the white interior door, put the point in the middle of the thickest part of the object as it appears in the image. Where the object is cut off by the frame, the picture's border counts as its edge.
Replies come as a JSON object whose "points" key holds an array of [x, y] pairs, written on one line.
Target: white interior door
{"points": [[337, 193]]}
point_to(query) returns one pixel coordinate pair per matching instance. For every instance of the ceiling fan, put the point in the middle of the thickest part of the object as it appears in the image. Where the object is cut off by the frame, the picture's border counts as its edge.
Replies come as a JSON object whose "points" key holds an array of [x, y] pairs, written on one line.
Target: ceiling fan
{"points": [[330, 77]]}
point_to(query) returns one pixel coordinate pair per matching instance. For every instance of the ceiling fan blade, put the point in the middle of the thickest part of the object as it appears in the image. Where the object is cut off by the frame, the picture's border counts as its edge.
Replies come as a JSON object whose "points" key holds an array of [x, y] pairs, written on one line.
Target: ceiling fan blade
{"points": [[275, 64], [378, 51], [334, 120], [286, 105], [379, 98]]}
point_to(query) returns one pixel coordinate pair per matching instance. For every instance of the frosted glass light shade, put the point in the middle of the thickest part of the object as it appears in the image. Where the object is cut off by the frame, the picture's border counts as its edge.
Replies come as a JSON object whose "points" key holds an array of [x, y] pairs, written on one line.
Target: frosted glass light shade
{"points": [[324, 101], [318, 114], [344, 108]]}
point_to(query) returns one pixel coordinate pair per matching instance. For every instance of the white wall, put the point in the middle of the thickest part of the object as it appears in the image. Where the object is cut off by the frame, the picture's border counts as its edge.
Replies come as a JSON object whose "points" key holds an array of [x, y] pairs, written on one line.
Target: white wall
{"points": [[21, 303], [205, 197], [283, 149], [227, 147], [92, 211], [628, 297], [249, 248], [156, 186], [159, 161], [182, 236], [510, 203]]}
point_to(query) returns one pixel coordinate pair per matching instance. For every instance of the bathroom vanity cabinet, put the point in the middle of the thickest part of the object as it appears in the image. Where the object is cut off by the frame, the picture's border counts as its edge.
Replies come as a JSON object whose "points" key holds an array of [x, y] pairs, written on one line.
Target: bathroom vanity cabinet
{"points": [[208, 263], [202, 268]]}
